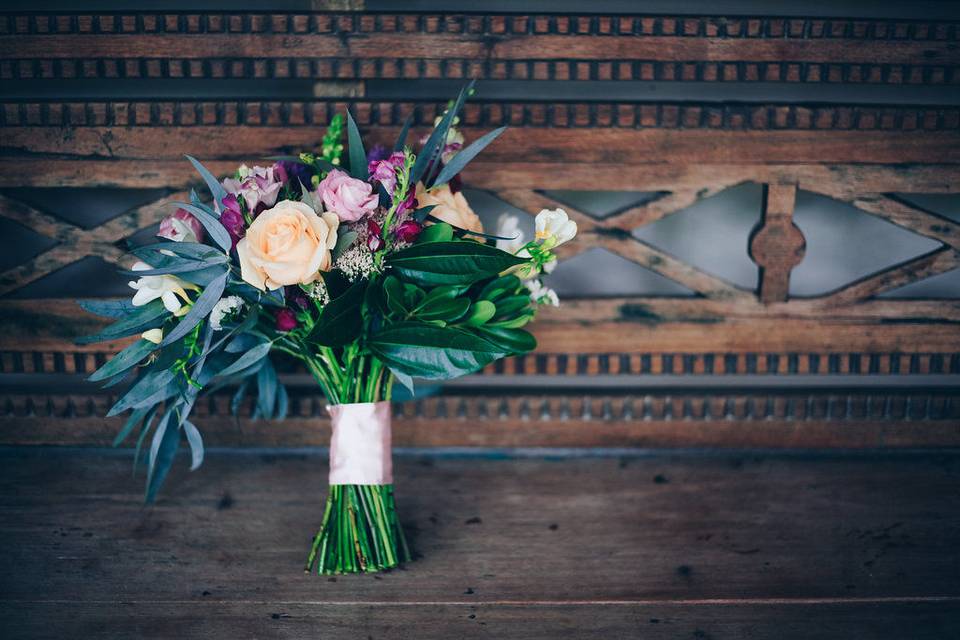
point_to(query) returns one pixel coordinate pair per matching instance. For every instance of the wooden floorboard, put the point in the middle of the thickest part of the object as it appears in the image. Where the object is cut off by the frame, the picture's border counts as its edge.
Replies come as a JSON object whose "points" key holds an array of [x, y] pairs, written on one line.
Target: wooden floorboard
{"points": [[661, 546]]}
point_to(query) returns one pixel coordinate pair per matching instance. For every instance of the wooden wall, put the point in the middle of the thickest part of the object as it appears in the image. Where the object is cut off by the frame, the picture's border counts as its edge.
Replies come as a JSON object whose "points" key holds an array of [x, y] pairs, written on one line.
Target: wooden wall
{"points": [[856, 109]]}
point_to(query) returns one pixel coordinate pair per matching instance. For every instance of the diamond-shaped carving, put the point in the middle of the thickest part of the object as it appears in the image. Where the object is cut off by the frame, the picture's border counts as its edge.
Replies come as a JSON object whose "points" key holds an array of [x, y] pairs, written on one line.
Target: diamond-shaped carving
{"points": [[942, 204], [85, 207], [20, 244], [845, 244], [88, 277], [603, 204], [598, 272], [712, 234], [942, 285]]}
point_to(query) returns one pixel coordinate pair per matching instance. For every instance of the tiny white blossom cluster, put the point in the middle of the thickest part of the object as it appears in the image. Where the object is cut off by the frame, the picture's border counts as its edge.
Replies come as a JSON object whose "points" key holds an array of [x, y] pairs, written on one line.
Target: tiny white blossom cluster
{"points": [[317, 291], [225, 307], [356, 262]]}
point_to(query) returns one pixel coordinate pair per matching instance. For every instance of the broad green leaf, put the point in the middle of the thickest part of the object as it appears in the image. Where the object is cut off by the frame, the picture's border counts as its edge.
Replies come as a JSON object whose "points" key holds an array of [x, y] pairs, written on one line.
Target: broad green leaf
{"points": [[393, 291], [446, 310], [480, 312], [216, 189], [515, 340], [341, 320], [508, 284], [218, 233], [248, 359], [510, 307], [435, 353], [439, 232], [283, 403], [126, 359], [243, 342], [267, 389], [458, 262], [358, 157], [200, 310], [459, 161], [195, 440], [149, 316], [238, 397]]}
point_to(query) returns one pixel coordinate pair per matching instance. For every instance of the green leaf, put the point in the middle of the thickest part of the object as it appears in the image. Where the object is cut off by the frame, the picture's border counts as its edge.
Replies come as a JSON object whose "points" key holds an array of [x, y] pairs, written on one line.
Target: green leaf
{"points": [[434, 145], [108, 308], [514, 340], [358, 157], [341, 320], [195, 440], [459, 161], [218, 233], [216, 189], [458, 262], [124, 360], [136, 417], [509, 307], [480, 312], [509, 284], [194, 250], [439, 232], [344, 240], [446, 310], [200, 310], [393, 291], [149, 316], [267, 389], [248, 359], [435, 353], [238, 397], [163, 449], [150, 388]]}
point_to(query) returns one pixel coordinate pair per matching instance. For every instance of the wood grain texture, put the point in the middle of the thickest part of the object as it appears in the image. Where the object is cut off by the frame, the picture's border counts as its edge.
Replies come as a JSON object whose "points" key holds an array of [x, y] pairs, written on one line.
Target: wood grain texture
{"points": [[666, 546]]}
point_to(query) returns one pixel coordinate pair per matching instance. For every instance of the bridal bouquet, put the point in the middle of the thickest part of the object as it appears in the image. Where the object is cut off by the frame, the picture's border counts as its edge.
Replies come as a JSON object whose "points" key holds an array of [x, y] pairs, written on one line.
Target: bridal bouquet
{"points": [[370, 269]]}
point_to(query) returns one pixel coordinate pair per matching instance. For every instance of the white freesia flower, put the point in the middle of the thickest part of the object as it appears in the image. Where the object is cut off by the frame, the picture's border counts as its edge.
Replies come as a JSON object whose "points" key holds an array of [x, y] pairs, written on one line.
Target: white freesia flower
{"points": [[153, 335], [541, 294], [169, 288], [508, 226], [224, 307], [554, 227]]}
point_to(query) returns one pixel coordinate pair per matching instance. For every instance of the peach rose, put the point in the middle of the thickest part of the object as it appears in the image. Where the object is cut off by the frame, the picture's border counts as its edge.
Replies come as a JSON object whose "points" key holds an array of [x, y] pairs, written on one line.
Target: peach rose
{"points": [[288, 244], [450, 207]]}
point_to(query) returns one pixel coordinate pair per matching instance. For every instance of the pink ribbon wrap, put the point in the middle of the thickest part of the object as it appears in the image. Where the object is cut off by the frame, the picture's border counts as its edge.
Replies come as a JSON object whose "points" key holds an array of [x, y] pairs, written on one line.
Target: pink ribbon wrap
{"points": [[360, 446]]}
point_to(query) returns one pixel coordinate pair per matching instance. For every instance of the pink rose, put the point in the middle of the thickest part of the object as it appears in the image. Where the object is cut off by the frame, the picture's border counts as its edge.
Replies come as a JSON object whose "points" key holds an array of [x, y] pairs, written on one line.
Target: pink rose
{"points": [[181, 227], [349, 198]]}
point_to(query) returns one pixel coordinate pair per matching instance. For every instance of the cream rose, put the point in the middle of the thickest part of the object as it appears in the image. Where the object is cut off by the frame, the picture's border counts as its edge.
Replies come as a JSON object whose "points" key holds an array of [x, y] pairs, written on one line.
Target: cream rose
{"points": [[450, 207], [288, 244]]}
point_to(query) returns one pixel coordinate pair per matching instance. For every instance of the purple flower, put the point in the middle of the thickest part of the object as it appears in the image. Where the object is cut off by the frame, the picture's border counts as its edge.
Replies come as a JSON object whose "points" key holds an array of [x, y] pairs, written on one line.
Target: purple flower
{"points": [[295, 296], [374, 240], [409, 204], [378, 152], [385, 171], [259, 187], [232, 219], [286, 320], [294, 174], [408, 230]]}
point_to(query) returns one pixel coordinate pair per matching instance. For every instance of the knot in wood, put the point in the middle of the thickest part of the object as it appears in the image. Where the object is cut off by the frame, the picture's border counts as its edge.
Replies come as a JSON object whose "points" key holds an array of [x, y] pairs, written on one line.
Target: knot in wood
{"points": [[777, 244]]}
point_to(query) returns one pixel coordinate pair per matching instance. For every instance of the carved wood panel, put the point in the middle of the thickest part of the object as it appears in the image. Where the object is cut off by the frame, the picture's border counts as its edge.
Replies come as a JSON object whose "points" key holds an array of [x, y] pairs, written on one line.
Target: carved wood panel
{"points": [[869, 140]]}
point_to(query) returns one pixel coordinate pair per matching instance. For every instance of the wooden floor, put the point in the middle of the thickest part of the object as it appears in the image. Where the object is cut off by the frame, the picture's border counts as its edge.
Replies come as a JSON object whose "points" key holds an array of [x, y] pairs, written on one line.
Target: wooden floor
{"points": [[664, 546]]}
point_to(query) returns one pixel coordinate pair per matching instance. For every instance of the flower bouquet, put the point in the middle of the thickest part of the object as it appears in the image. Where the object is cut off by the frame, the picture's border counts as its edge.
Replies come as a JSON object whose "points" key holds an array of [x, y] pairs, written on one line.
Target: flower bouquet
{"points": [[370, 269]]}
